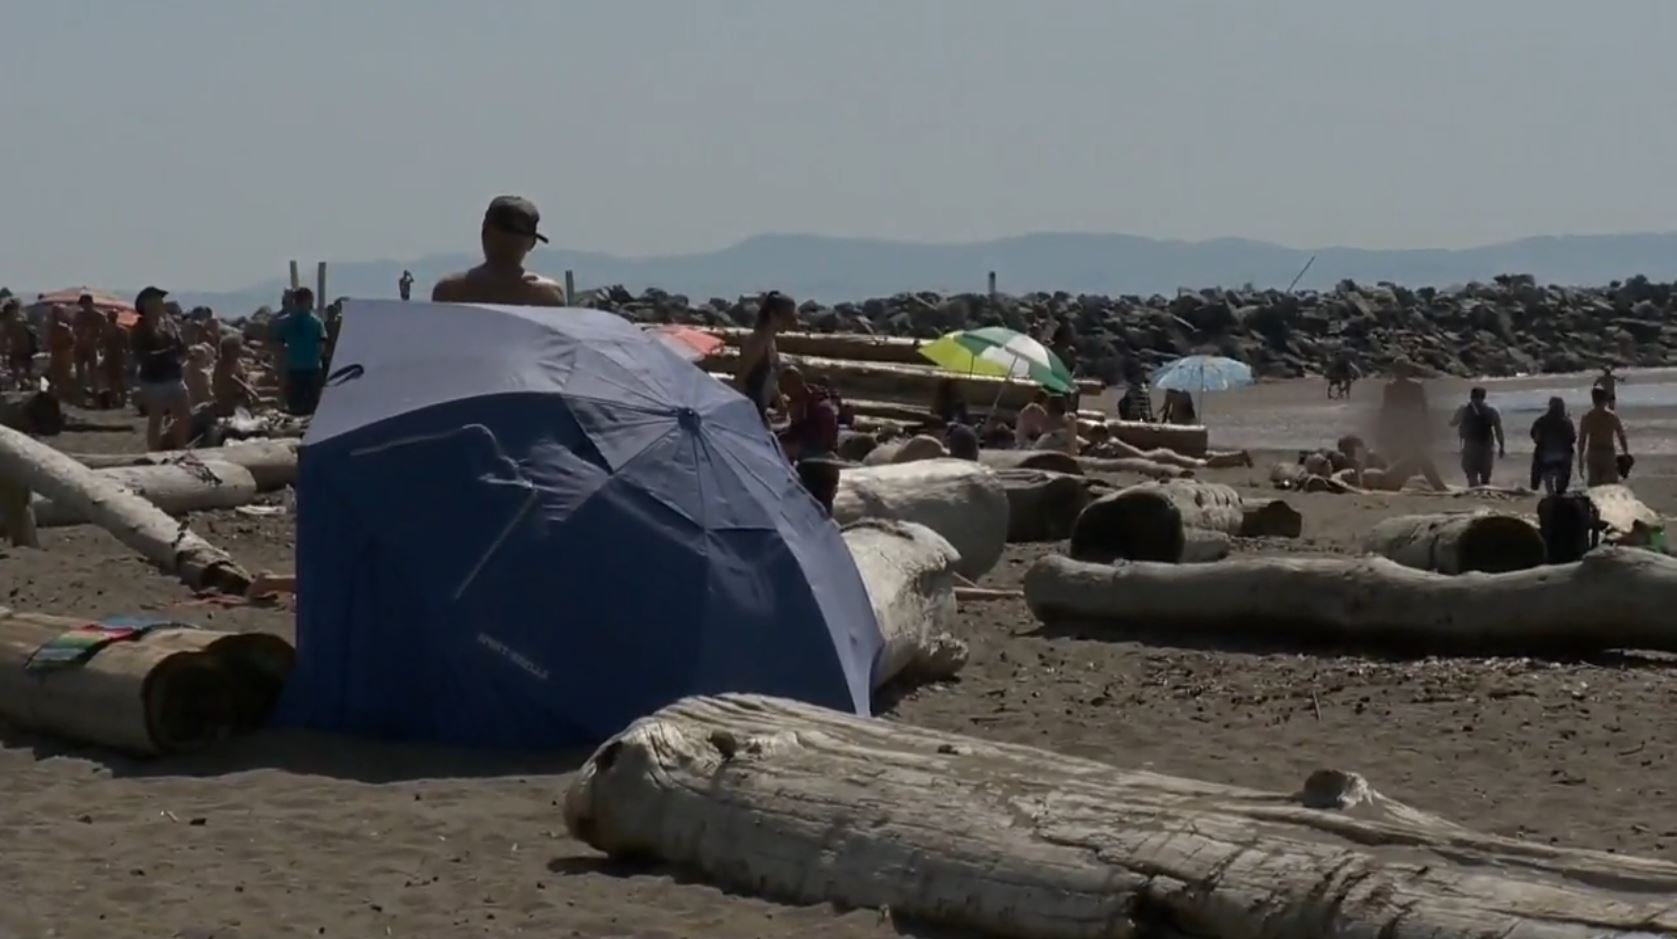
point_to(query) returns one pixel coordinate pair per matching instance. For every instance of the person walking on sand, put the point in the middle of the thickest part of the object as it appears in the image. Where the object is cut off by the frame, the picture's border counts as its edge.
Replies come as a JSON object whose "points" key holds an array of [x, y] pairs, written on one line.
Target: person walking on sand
{"points": [[18, 343], [1598, 431], [1478, 424], [405, 285], [61, 356], [509, 234], [1609, 382], [113, 361], [161, 357], [1553, 440], [88, 326]]}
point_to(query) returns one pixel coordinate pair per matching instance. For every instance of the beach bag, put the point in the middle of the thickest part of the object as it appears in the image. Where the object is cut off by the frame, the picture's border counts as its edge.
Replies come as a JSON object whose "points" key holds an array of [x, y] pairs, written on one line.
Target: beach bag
{"points": [[1570, 526]]}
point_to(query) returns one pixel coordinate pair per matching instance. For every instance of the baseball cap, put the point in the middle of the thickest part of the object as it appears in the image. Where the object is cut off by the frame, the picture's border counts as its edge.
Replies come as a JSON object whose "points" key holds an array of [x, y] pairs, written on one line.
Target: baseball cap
{"points": [[148, 293], [514, 215]]}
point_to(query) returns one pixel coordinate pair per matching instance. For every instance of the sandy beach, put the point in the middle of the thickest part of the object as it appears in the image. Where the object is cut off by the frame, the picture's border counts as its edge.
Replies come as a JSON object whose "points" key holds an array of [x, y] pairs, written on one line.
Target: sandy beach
{"points": [[295, 834]]}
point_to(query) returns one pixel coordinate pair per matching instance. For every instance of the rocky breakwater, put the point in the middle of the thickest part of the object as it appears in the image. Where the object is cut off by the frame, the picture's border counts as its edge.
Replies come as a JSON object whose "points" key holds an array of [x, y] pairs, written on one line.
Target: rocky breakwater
{"points": [[1508, 326]]}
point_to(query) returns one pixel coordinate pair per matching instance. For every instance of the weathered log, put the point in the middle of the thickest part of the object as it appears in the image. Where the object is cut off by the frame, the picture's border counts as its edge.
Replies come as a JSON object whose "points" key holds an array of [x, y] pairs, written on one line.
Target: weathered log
{"points": [[272, 463], [176, 488], [134, 521], [1625, 519], [960, 500], [909, 572], [1272, 519], [17, 516], [914, 449], [1052, 460], [809, 806], [1455, 543], [1095, 464], [900, 382], [1200, 546], [1150, 521], [1615, 598], [169, 691], [856, 347], [1187, 439], [1043, 505]]}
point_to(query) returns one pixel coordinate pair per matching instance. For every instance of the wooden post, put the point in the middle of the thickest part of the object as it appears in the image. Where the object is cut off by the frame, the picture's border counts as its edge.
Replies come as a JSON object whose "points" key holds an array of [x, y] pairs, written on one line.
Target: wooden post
{"points": [[17, 517], [570, 288], [992, 287], [320, 286], [295, 282]]}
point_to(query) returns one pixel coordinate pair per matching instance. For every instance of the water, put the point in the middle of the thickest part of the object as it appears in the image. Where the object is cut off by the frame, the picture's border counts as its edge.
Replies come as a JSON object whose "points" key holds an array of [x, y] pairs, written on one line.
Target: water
{"points": [[1297, 415]]}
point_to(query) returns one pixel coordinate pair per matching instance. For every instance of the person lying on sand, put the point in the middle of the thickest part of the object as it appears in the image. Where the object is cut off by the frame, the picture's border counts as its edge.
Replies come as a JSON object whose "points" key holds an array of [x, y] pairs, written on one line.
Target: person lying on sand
{"points": [[1102, 444], [509, 234]]}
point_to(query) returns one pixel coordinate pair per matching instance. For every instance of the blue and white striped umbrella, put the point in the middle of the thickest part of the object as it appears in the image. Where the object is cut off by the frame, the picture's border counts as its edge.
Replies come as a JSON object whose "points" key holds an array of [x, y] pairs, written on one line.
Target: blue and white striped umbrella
{"points": [[1203, 373]]}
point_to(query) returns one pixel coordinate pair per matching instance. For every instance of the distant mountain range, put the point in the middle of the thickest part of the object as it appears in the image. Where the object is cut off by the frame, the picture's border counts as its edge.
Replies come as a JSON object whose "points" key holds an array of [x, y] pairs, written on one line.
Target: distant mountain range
{"points": [[833, 269]]}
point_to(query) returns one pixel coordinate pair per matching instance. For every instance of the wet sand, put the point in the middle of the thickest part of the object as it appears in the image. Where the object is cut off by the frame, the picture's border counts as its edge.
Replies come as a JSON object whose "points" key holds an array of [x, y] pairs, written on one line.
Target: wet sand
{"points": [[292, 834]]}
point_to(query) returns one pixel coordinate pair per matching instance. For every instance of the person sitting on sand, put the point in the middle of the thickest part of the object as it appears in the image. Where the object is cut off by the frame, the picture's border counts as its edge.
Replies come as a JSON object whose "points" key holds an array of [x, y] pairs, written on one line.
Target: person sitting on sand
{"points": [[1404, 425], [812, 433], [1032, 421], [949, 406], [1179, 408], [509, 233], [1554, 440], [113, 362], [228, 387], [1060, 431], [1597, 432]]}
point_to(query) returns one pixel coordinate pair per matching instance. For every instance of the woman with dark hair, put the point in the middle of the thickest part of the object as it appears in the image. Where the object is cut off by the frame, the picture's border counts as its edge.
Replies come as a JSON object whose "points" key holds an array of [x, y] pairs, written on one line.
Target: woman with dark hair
{"points": [[756, 375], [161, 357]]}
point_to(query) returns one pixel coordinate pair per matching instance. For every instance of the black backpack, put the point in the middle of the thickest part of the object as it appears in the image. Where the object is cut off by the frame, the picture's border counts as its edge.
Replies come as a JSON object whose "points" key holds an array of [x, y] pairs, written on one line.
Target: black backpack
{"points": [[1570, 524]]}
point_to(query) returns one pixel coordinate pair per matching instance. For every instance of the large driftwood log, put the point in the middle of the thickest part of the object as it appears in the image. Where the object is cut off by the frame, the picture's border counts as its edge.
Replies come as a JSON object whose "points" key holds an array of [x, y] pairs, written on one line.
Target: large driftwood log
{"points": [[960, 500], [1616, 598], [134, 521], [1455, 543], [272, 463], [856, 347], [1151, 521], [811, 806], [169, 691], [1043, 505], [909, 572], [1625, 519], [1052, 460], [176, 488], [900, 382]]}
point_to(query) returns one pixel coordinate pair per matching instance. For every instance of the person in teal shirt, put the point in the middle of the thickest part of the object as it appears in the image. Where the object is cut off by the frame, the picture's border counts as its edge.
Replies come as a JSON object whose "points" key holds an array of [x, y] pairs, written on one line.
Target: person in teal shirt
{"points": [[304, 335]]}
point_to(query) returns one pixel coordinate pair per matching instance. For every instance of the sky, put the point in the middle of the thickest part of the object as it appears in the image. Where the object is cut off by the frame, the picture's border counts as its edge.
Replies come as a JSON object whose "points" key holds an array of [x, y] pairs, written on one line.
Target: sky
{"points": [[206, 142]]}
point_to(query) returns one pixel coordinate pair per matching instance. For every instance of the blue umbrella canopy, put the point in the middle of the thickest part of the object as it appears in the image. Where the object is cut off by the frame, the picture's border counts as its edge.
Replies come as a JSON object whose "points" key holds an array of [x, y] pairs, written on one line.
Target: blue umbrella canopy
{"points": [[528, 527], [1203, 373]]}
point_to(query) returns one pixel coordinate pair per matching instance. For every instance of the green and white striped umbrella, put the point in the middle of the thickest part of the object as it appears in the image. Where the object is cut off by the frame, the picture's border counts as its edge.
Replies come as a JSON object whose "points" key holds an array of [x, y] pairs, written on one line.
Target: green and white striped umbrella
{"points": [[1000, 353]]}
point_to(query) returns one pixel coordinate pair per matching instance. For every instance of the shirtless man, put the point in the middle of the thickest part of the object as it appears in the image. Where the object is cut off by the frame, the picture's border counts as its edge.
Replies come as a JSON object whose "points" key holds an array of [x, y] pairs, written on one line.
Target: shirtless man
{"points": [[61, 356], [509, 235], [114, 364], [88, 325], [18, 343], [1609, 382], [1598, 431]]}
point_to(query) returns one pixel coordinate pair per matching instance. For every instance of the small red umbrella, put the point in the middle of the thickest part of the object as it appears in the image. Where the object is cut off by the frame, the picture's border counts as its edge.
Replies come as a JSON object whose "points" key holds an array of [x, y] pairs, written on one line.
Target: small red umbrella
{"points": [[687, 342]]}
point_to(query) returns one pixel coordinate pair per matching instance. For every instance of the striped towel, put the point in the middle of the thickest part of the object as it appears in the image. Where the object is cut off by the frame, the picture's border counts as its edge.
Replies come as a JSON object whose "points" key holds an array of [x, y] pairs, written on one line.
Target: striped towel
{"points": [[75, 646]]}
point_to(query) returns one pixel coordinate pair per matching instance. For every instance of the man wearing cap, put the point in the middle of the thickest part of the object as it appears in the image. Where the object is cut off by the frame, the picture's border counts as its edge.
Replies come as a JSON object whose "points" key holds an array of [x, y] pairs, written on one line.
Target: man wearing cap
{"points": [[510, 233]]}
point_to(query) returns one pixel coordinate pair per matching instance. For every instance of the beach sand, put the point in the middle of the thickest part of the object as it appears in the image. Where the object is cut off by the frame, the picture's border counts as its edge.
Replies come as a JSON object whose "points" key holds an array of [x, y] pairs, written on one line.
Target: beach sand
{"points": [[294, 834]]}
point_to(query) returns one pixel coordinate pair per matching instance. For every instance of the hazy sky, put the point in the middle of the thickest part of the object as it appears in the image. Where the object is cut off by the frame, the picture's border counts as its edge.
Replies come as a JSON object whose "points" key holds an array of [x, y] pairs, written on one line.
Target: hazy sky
{"points": [[203, 142]]}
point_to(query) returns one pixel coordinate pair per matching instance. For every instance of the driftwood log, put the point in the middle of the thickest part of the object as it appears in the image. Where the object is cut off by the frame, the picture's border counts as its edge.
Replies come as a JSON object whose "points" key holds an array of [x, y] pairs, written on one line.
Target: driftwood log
{"points": [[272, 463], [176, 488], [1615, 598], [856, 347], [1455, 543], [134, 521], [1042, 505], [1152, 521], [909, 572], [897, 381], [1271, 519], [1052, 460], [169, 691], [960, 500], [810, 806], [17, 516]]}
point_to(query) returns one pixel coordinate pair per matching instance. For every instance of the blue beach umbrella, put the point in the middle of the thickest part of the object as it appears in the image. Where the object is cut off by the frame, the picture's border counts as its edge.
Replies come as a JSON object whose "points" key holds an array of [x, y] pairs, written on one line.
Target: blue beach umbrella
{"points": [[1203, 373]]}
